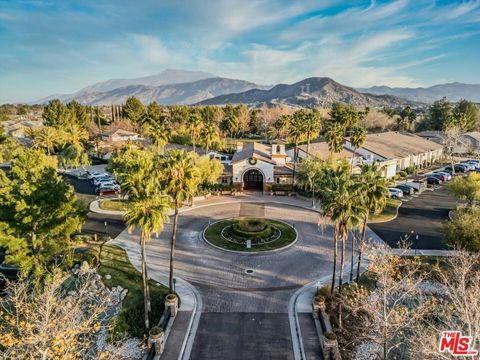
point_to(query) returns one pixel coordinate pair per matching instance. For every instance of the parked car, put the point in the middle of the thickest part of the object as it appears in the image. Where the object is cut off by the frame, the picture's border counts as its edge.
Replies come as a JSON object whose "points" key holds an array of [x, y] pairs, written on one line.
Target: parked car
{"points": [[92, 175], [432, 180], [103, 179], [447, 174], [442, 177], [106, 183], [418, 185], [406, 189], [395, 193], [108, 190], [458, 168], [470, 166], [473, 163]]}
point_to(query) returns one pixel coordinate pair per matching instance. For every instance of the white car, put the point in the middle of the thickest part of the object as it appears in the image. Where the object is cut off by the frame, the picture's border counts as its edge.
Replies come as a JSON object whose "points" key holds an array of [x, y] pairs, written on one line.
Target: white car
{"points": [[105, 183], [395, 193], [103, 179], [475, 164], [93, 175], [448, 175]]}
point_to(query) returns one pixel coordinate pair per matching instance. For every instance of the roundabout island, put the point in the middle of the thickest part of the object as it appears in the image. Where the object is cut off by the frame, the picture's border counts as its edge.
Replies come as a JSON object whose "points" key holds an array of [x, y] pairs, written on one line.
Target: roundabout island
{"points": [[250, 234]]}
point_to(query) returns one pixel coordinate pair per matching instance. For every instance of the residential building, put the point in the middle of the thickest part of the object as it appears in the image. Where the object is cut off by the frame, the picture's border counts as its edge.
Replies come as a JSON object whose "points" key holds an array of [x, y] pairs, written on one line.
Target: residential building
{"points": [[398, 151], [118, 135]]}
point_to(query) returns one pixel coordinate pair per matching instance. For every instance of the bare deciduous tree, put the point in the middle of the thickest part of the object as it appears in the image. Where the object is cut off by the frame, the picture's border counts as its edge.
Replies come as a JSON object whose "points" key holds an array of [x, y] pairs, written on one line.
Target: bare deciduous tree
{"points": [[59, 319]]}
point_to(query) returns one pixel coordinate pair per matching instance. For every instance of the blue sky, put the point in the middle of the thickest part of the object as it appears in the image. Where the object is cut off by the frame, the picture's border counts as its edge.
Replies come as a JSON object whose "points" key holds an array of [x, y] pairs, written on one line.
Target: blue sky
{"points": [[60, 46]]}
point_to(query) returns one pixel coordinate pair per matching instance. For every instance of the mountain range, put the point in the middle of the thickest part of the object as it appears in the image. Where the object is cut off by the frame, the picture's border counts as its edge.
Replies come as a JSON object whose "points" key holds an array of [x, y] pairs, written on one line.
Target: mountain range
{"points": [[173, 86], [315, 91], [453, 92]]}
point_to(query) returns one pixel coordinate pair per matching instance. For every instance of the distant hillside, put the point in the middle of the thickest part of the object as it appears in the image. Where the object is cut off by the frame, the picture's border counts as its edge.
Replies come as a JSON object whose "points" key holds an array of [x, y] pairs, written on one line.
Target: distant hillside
{"points": [[168, 76], [453, 92], [315, 91], [183, 93]]}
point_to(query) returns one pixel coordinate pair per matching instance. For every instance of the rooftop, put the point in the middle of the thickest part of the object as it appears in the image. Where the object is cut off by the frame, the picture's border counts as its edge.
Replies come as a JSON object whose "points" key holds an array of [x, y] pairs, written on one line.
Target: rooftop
{"points": [[394, 144]]}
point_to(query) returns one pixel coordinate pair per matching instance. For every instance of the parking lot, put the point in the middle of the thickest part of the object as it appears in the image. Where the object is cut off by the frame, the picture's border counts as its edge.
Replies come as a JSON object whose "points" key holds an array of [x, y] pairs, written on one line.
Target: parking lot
{"points": [[423, 214]]}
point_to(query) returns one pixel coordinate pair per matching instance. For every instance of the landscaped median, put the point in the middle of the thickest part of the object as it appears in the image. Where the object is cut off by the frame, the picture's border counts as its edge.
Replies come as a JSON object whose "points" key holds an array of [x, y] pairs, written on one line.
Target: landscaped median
{"points": [[113, 204], [263, 234], [389, 213]]}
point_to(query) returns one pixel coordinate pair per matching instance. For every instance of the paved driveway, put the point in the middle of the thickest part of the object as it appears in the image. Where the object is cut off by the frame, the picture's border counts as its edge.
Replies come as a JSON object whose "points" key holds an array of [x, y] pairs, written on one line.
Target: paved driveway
{"points": [[245, 316], [424, 216]]}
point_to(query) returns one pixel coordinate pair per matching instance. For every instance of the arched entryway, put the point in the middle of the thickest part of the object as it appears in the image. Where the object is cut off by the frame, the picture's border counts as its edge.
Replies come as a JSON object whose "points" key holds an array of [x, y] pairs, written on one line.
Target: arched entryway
{"points": [[253, 180]]}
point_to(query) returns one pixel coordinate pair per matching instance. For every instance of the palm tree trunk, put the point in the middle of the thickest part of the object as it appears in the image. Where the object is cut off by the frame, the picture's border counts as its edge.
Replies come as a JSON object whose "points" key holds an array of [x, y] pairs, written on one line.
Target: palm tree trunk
{"points": [[360, 246], [172, 248], [353, 158], [335, 246], [340, 278], [145, 281], [351, 257]]}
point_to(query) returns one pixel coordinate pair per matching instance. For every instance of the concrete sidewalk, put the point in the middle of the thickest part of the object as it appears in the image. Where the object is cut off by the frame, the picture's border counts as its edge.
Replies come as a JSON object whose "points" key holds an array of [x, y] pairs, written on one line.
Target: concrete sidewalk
{"points": [[182, 334]]}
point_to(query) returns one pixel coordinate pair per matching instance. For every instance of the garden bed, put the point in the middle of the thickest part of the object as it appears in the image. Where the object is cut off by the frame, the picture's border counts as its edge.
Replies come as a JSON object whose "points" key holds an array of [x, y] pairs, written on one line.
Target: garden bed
{"points": [[214, 234], [388, 213], [113, 204], [115, 263]]}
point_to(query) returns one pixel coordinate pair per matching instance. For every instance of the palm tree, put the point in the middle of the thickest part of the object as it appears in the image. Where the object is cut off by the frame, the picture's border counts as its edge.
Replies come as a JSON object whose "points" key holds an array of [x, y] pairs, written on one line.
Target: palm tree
{"points": [[312, 125], [45, 138], [334, 137], [308, 175], [374, 193], [357, 139], [181, 179], [210, 136], [341, 200], [158, 133], [148, 214], [74, 135], [194, 125]]}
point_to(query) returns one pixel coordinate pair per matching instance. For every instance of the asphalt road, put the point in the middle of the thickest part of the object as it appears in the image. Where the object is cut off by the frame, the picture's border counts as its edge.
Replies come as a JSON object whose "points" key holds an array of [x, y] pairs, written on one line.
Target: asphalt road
{"points": [[424, 216]]}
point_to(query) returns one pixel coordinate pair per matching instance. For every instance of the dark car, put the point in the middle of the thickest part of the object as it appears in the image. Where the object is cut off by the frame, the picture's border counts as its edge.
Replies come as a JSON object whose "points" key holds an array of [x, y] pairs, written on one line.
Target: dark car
{"points": [[440, 176], [407, 190], [458, 168], [432, 180]]}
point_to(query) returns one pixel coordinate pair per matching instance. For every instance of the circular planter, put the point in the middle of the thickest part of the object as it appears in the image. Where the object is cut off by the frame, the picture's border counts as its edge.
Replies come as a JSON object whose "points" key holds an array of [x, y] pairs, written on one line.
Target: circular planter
{"points": [[276, 235]]}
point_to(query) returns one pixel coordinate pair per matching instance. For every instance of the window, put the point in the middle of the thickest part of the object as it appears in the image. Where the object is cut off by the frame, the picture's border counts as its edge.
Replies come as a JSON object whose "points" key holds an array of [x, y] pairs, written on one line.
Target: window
{"points": [[278, 149]]}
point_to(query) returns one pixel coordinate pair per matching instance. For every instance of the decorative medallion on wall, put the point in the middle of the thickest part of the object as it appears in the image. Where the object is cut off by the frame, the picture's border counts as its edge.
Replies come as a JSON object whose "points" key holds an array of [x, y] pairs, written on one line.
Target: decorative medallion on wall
{"points": [[252, 161]]}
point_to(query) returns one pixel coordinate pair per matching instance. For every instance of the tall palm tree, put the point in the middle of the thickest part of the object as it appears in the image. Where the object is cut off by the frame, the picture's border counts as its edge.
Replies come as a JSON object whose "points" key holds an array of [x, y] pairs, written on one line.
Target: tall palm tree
{"points": [[341, 200], [148, 214], [357, 139], [334, 137], [194, 125], [312, 125], [181, 177], [74, 135], [45, 138], [374, 192]]}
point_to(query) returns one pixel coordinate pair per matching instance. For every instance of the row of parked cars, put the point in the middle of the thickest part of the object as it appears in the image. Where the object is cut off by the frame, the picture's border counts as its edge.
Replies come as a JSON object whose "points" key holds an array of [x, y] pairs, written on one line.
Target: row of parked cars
{"points": [[437, 177], [105, 183]]}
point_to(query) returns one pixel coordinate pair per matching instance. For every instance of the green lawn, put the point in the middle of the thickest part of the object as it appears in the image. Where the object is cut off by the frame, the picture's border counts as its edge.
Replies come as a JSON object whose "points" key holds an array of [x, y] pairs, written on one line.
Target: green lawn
{"points": [[388, 212], [113, 204], [212, 234], [114, 262]]}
